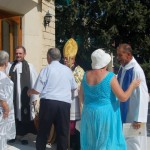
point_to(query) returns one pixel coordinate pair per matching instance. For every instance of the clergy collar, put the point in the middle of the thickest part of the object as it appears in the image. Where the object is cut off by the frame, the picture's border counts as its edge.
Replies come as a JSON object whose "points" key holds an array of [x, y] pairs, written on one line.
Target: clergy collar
{"points": [[131, 64], [17, 62]]}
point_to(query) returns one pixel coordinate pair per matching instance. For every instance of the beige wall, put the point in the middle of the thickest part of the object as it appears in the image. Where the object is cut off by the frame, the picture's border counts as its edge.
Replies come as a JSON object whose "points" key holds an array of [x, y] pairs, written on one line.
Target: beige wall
{"points": [[49, 31], [18, 6], [32, 36], [36, 38]]}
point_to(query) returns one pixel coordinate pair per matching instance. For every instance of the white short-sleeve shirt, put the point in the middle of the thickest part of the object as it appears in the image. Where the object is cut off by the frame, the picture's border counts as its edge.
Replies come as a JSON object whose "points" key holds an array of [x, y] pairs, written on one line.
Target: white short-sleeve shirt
{"points": [[55, 82]]}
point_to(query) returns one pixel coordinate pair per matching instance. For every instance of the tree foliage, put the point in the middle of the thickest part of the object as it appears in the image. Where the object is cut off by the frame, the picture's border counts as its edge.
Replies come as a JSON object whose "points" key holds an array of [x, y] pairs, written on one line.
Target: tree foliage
{"points": [[104, 24]]}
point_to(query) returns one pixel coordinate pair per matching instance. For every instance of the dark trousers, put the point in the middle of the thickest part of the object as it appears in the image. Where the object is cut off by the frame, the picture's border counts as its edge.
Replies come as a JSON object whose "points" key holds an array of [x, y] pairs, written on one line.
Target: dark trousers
{"points": [[23, 128], [56, 112], [75, 140]]}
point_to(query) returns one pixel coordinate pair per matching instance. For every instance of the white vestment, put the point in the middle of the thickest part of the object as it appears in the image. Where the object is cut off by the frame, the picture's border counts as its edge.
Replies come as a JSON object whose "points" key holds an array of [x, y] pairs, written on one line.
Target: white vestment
{"points": [[138, 105], [33, 77], [75, 107], [7, 125]]}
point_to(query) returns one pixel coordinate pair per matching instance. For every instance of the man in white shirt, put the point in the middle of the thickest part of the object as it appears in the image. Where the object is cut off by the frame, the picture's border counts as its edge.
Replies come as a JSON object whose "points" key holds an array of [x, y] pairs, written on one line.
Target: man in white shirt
{"points": [[135, 109], [54, 84]]}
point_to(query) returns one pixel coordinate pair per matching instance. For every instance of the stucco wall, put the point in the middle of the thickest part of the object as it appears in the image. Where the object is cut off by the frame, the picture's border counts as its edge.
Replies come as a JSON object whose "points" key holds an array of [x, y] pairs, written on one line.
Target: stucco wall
{"points": [[36, 38], [49, 31], [32, 36]]}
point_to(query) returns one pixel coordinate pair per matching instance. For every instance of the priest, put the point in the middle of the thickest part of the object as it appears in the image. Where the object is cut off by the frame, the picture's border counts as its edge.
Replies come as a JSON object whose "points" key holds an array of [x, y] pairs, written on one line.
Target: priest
{"points": [[69, 53], [135, 109], [24, 76]]}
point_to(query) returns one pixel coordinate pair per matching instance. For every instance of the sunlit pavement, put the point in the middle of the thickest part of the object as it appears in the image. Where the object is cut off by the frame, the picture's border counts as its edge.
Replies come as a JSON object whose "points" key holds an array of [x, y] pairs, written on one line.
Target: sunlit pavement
{"points": [[31, 146], [148, 141]]}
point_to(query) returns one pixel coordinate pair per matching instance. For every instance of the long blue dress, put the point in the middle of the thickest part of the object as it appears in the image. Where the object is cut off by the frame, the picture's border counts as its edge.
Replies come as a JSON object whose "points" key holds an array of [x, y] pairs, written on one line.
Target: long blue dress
{"points": [[101, 127]]}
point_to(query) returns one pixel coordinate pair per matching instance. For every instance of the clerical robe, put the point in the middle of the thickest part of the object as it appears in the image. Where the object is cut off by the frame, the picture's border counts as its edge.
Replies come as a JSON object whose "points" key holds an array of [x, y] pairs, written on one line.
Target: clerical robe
{"points": [[78, 73], [136, 108], [17, 71]]}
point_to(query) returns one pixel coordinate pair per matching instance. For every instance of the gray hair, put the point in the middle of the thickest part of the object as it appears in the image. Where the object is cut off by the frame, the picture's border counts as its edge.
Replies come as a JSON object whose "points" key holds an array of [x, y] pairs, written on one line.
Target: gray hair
{"points": [[54, 54], [4, 57]]}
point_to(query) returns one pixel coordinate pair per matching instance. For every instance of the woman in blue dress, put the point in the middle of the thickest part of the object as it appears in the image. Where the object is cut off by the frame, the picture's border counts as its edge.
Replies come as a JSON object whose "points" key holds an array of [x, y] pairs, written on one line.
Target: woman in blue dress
{"points": [[101, 127]]}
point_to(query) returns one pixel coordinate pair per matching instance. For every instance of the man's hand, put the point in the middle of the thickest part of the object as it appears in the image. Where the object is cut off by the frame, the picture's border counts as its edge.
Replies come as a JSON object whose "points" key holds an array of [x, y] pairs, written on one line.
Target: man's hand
{"points": [[136, 125], [29, 92], [32, 91]]}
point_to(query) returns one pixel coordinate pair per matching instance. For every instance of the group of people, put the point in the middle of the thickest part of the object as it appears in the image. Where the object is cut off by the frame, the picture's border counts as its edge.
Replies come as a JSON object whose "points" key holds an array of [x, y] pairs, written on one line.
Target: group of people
{"points": [[110, 101], [102, 100]]}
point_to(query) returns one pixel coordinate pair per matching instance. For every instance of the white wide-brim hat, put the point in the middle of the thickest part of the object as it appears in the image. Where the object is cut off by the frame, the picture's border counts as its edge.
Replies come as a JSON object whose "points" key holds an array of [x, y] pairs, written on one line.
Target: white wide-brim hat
{"points": [[100, 59]]}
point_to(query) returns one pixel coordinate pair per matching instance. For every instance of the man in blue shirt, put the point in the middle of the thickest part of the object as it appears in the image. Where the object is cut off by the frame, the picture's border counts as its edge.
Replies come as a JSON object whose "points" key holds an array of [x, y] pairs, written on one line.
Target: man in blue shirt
{"points": [[54, 84]]}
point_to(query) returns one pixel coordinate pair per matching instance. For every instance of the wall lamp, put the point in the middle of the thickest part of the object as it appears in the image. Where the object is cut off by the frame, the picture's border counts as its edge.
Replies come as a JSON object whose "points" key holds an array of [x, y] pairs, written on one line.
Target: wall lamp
{"points": [[47, 19]]}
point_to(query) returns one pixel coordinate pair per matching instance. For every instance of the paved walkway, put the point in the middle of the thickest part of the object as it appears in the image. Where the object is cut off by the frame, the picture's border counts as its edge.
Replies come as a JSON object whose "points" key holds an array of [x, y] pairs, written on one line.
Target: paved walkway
{"points": [[31, 145], [31, 138]]}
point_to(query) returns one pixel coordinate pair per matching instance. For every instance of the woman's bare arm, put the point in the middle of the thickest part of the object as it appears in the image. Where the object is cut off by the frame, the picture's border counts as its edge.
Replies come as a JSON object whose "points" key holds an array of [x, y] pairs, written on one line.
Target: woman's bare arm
{"points": [[123, 96]]}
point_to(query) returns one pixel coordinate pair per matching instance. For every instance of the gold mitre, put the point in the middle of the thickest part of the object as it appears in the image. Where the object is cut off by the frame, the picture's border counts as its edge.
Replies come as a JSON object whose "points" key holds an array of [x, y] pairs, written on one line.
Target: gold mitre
{"points": [[70, 48]]}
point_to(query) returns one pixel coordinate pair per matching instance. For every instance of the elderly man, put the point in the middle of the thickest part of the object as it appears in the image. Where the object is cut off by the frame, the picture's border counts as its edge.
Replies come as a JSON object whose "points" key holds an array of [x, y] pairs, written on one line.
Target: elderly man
{"points": [[135, 109], [54, 84]]}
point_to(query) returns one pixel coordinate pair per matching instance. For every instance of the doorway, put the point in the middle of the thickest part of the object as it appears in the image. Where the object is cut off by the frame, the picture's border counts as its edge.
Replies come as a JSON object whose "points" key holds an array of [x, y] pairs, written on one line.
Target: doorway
{"points": [[10, 33]]}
